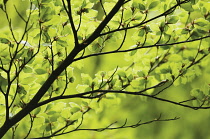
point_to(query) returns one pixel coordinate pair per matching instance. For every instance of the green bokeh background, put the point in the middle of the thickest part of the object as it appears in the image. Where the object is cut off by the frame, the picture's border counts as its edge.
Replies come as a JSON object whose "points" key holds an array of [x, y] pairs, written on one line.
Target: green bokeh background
{"points": [[193, 124]]}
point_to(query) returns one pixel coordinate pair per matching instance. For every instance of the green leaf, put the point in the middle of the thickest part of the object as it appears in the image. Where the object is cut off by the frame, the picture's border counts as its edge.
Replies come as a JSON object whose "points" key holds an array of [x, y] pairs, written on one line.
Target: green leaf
{"points": [[28, 80], [132, 52], [175, 58], [173, 19], [3, 83], [4, 40], [194, 35], [76, 116], [187, 7], [198, 93], [135, 5], [83, 88], [194, 1], [121, 73], [37, 111], [141, 7], [27, 69], [75, 109], [40, 71], [141, 33], [141, 73], [86, 79], [61, 43], [153, 5], [21, 90], [201, 22]]}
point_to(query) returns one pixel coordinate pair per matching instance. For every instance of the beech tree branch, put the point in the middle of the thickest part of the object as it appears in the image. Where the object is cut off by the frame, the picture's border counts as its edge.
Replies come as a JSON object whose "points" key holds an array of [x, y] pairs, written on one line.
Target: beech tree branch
{"points": [[143, 47]]}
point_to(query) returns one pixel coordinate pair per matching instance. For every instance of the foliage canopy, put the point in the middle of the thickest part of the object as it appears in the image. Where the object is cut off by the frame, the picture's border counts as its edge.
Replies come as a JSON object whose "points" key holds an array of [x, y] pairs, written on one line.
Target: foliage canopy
{"points": [[53, 62]]}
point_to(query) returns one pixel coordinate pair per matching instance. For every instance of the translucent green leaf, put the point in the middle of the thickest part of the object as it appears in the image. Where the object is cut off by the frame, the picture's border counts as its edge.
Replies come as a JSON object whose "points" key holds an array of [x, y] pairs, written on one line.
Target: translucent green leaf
{"points": [[141, 7], [194, 35], [95, 47], [27, 69], [185, 31], [76, 116], [141, 73], [130, 77], [153, 5], [28, 80], [3, 83], [175, 58], [201, 22], [4, 40], [21, 90], [84, 103], [49, 107], [201, 31], [135, 5], [66, 112], [93, 1], [110, 96], [198, 93], [2, 109], [70, 71], [51, 112], [187, 7], [75, 109], [54, 117], [40, 71], [48, 127], [141, 33], [173, 19], [121, 73], [61, 43], [206, 89], [194, 1], [86, 79], [37, 110], [165, 70]]}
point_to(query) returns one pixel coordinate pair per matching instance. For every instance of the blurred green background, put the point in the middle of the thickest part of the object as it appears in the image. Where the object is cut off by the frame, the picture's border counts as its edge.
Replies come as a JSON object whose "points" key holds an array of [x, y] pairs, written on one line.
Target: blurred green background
{"points": [[193, 124]]}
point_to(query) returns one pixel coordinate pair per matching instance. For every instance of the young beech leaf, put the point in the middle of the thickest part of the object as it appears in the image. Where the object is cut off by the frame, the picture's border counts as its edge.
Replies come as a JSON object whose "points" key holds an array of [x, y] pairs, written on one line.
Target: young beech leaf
{"points": [[201, 22], [27, 69], [187, 7], [75, 109], [4, 40], [66, 113], [141, 7], [3, 83], [153, 5], [198, 93], [141, 73], [76, 116], [40, 71], [121, 73], [83, 88], [141, 33], [28, 80], [172, 19], [175, 58], [86, 79], [37, 110]]}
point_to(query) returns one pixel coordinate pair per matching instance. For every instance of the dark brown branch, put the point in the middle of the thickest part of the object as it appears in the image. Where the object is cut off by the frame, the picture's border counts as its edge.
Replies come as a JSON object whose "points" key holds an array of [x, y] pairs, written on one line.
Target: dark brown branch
{"points": [[104, 23], [69, 13], [149, 46], [109, 127]]}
